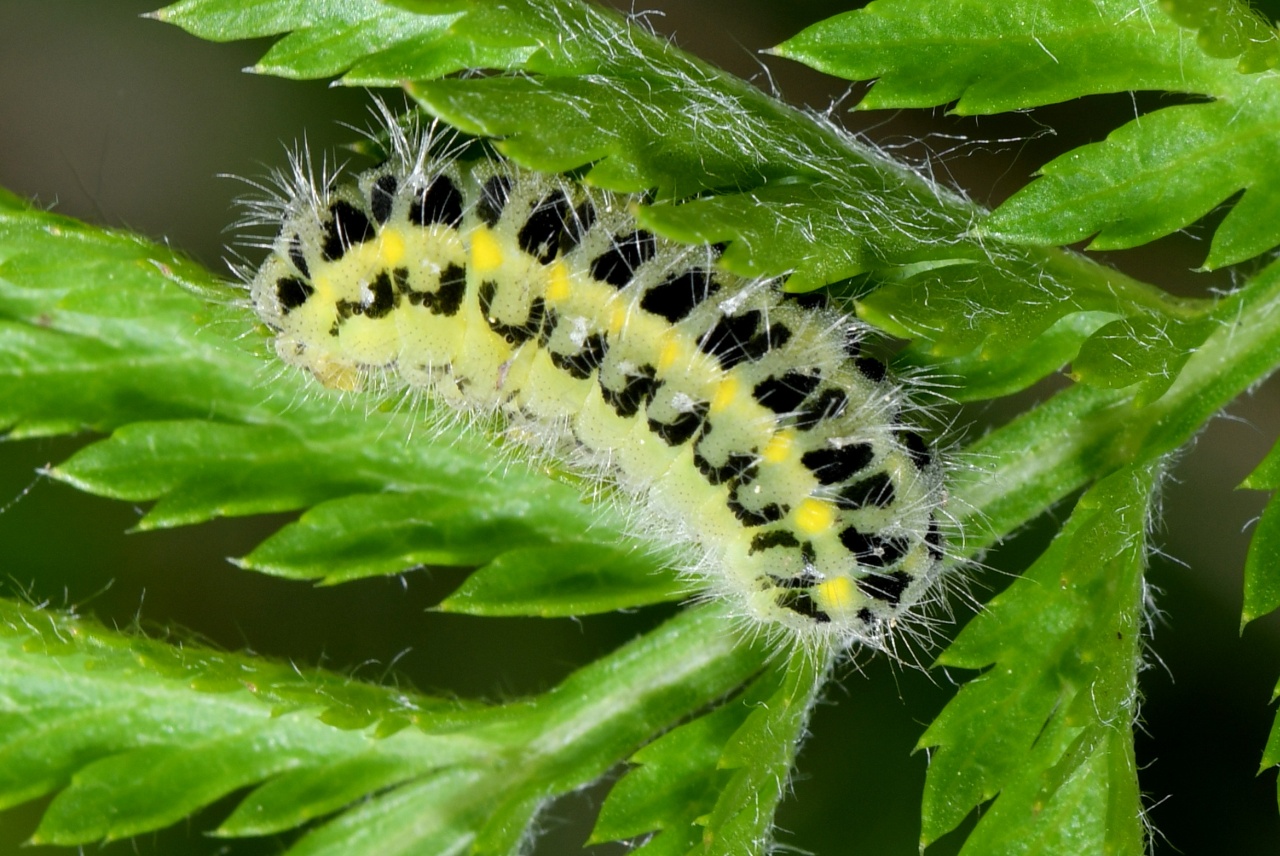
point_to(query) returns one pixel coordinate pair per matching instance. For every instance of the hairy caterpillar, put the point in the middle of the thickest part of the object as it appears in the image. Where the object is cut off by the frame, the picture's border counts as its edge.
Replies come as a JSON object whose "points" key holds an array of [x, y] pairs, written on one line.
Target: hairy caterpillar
{"points": [[745, 422]]}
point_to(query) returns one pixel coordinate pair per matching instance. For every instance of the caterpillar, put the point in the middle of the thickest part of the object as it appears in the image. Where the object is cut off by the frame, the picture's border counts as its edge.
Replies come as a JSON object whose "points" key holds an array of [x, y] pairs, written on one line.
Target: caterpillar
{"points": [[746, 423]]}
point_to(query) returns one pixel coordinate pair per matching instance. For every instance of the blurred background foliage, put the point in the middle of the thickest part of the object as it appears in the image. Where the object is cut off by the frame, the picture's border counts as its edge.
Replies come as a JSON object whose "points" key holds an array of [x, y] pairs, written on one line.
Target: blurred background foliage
{"points": [[125, 122]]}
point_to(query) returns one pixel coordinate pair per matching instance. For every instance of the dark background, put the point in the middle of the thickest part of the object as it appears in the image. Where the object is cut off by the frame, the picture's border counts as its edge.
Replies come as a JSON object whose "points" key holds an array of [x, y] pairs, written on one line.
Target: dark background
{"points": [[128, 122]]}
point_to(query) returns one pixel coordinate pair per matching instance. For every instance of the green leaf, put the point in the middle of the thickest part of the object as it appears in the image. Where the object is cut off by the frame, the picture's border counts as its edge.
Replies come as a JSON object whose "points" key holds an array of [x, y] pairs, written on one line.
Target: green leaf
{"points": [[1262, 566], [364, 535], [1083, 433], [299, 796], [1061, 648], [1153, 176], [117, 726], [1156, 175], [370, 534], [198, 470], [1265, 476], [761, 754], [565, 579], [678, 778], [983, 375], [117, 719], [991, 58], [323, 38], [1271, 754], [712, 785], [766, 219], [969, 309], [1143, 349], [75, 352]]}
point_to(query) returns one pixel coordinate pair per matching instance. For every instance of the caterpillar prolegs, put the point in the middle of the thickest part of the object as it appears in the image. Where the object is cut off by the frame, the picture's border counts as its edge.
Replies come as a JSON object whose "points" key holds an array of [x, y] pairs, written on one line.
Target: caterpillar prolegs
{"points": [[744, 422]]}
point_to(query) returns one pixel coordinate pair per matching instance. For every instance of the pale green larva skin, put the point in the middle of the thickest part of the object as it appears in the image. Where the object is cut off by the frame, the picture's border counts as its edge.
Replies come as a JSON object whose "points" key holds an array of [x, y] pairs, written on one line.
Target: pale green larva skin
{"points": [[742, 422]]}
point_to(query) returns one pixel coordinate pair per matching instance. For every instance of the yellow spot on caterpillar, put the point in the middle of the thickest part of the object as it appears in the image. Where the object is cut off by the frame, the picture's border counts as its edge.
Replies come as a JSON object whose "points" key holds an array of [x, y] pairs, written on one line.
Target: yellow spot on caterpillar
{"points": [[558, 287], [390, 247], [617, 318], [726, 392], [835, 596], [670, 353], [486, 255], [324, 288], [779, 447], [814, 516]]}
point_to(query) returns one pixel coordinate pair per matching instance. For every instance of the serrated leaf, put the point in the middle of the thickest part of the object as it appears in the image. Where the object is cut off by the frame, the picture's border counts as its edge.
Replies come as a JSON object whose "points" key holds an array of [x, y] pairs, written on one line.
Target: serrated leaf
{"points": [[1084, 433], [337, 46], [991, 58], [1061, 648], [437, 815], [121, 719], [1271, 753], [456, 525], [1262, 566], [1265, 476], [983, 375], [1144, 349], [298, 796], [115, 725], [564, 580], [755, 223], [791, 196], [760, 754], [678, 777], [197, 470], [1156, 175], [1153, 176], [76, 354], [320, 38], [115, 797], [966, 310]]}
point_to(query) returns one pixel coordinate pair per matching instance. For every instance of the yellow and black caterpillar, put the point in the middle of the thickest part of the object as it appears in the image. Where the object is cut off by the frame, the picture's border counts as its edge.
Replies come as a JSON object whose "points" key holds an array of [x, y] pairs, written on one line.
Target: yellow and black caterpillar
{"points": [[744, 423]]}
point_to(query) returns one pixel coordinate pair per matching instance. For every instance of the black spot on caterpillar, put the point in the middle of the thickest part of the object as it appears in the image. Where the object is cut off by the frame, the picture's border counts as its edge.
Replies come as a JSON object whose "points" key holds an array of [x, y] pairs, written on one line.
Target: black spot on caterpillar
{"points": [[744, 423]]}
